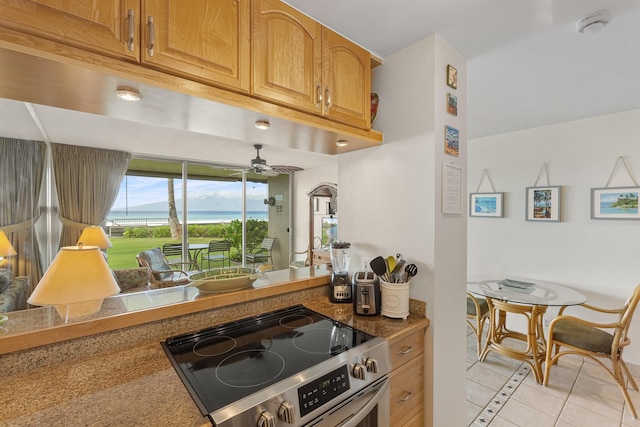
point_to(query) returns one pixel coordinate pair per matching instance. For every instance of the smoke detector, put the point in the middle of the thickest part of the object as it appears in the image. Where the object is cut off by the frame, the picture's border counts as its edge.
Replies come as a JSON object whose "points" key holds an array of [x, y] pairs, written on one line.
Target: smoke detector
{"points": [[594, 22]]}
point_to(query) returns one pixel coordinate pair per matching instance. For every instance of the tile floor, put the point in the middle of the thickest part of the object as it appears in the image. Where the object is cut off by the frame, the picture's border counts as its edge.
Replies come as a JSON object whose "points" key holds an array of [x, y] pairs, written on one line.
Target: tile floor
{"points": [[502, 392]]}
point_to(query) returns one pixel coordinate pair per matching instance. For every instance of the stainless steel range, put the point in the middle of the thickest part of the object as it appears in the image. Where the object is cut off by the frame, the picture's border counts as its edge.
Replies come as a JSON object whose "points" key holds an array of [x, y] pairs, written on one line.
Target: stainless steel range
{"points": [[291, 367]]}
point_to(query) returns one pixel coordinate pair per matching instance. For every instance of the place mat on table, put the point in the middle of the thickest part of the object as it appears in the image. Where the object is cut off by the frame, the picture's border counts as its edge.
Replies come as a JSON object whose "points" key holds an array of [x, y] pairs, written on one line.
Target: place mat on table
{"points": [[516, 283]]}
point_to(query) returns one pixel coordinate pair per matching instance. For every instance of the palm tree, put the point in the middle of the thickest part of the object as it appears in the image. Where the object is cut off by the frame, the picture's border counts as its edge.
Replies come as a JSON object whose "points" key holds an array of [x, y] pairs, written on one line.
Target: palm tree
{"points": [[174, 221]]}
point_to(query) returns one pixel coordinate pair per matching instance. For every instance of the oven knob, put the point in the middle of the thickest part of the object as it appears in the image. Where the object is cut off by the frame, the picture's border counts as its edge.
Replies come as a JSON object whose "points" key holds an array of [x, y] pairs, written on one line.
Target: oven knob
{"points": [[286, 412], [359, 371], [266, 420], [372, 365]]}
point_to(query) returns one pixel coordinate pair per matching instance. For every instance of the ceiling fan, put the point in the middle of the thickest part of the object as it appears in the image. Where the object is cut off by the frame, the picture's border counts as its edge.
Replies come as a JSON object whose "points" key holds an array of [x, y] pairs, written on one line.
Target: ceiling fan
{"points": [[259, 165]]}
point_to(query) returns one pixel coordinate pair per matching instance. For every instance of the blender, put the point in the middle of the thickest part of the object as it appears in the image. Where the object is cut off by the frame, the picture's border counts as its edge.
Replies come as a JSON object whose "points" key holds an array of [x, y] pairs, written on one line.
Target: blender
{"points": [[340, 287]]}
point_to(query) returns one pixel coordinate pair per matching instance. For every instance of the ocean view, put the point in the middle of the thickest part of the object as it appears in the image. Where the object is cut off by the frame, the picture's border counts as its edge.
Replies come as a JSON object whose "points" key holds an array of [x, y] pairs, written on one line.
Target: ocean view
{"points": [[194, 217]]}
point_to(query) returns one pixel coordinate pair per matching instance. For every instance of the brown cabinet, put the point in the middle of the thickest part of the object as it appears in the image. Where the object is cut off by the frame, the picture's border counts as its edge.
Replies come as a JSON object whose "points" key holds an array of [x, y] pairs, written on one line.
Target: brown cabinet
{"points": [[299, 63], [407, 379], [108, 27], [206, 40]]}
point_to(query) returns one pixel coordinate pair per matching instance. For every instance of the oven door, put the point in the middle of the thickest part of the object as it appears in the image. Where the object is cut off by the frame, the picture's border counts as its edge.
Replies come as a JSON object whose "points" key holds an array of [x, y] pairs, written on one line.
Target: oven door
{"points": [[368, 408]]}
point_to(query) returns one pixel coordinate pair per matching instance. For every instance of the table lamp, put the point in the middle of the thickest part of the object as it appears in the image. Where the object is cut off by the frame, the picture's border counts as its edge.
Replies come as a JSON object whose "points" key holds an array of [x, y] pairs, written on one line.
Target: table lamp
{"points": [[76, 282], [94, 236], [6, 250]]}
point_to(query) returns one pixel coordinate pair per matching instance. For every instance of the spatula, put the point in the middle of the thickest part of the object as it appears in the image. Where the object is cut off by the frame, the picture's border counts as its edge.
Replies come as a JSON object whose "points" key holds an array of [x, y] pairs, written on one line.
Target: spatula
{"points": [[379, 266]]}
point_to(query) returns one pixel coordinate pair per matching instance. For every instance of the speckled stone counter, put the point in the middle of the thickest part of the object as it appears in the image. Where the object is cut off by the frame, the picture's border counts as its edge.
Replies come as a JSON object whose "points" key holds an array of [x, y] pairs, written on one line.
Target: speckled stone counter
{"points": [[131, 381]]}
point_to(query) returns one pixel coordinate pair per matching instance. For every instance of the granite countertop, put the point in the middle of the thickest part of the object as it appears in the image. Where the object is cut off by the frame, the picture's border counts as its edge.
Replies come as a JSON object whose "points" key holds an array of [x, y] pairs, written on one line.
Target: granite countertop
{"points": [[136, 385]]}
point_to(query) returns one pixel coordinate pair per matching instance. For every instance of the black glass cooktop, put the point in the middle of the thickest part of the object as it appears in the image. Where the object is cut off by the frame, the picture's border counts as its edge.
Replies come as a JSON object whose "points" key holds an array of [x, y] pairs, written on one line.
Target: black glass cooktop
{"points": [[223, 364]]}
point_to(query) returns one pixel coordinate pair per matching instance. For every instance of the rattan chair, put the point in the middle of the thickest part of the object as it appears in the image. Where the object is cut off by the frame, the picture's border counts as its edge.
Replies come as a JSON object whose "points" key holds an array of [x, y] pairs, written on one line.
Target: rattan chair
{"points": [[477, 315], [597, 341], [162, 275]]}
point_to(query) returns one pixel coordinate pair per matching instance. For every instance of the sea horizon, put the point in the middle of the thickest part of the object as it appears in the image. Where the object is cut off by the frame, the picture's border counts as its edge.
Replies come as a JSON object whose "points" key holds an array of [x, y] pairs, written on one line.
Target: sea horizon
{"points": [[193, 217]]}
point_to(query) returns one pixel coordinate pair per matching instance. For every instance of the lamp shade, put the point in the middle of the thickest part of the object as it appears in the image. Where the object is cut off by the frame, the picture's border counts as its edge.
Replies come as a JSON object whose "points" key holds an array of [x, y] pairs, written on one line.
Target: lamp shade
{"points": [[76, 282], [95, 236], [5, 246]]}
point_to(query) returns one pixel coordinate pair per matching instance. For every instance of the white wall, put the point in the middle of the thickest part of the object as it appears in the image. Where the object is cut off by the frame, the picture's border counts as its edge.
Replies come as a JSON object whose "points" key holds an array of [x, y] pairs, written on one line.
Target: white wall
{"points": [[597, 257], [389, 202]]}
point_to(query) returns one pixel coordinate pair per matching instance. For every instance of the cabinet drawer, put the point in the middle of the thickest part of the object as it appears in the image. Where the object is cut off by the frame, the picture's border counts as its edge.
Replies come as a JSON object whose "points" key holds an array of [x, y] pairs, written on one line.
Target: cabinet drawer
{"points": [[417, 421], [407, 391], [407, 348]]}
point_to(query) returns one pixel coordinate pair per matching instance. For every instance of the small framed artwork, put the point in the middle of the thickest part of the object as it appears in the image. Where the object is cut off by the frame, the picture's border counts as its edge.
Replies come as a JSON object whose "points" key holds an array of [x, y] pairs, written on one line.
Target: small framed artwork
{"points": [[451, 140], [543, 204], [452, 77], [615, 203], [488, 205], [452, 104]]}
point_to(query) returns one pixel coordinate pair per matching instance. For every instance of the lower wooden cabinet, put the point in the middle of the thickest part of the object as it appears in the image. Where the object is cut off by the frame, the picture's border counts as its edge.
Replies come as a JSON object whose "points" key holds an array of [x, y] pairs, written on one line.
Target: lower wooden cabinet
{"points": [[407, 380]]}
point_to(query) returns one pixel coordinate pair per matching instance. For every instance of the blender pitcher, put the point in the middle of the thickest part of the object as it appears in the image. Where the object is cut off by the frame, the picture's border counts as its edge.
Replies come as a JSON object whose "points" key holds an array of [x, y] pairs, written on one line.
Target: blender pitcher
{"points": [[340, 287]]}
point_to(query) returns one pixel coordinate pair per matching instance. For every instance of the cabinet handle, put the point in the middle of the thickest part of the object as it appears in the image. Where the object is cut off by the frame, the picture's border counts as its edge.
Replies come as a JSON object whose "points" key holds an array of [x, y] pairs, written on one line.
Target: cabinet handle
{"points": [[318, 95], [407, 350], [132, 31], [327, 96], [152, 36], [407, 395]]}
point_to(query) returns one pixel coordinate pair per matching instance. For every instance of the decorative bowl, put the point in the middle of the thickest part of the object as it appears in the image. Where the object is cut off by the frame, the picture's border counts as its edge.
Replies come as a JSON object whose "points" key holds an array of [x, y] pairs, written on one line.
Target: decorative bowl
{"points": [[224, 279]]}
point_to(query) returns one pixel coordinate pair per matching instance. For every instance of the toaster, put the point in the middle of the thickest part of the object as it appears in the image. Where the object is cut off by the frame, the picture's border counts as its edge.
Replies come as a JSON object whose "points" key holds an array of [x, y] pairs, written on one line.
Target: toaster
{"points": [[366, 293]]}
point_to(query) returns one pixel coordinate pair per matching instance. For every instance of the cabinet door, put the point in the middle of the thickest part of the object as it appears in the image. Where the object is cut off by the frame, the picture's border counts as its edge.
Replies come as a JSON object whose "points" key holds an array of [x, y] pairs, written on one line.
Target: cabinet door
{"points": [[347, 80], [109, 27], [206, 40], [286, 55]]}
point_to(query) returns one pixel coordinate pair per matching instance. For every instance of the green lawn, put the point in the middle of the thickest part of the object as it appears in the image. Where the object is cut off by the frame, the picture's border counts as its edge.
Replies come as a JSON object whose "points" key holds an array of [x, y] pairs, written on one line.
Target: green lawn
{"points": [[124, 250]]}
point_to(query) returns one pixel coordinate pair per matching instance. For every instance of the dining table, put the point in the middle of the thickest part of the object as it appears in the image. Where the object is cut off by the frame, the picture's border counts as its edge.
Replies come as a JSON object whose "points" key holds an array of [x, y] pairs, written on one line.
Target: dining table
{"points": [[529, 298], [195, 249]]}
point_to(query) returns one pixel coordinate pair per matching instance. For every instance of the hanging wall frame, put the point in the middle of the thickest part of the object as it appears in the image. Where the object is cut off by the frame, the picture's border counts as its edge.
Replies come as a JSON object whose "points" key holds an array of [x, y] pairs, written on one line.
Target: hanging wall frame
{"points": [[486, 205], [616, 202], [543, 203]]}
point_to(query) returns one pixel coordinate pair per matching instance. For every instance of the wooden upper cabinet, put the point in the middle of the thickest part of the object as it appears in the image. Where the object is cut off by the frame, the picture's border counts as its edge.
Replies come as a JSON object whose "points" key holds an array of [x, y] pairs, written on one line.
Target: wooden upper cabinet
{"points": [[299, 63], [206, 40], [287, 56], [347, 80], [109, 27]]}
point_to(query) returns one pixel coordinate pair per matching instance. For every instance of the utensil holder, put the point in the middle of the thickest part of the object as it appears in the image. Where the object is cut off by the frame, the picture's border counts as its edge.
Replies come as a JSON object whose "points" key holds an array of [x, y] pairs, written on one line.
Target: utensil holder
{"points": [[395, 299]]}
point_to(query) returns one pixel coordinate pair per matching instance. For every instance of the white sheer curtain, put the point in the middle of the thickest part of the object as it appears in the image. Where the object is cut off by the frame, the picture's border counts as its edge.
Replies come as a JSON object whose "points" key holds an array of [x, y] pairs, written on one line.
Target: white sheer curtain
{"points": [[22, 165], [87, 181]]}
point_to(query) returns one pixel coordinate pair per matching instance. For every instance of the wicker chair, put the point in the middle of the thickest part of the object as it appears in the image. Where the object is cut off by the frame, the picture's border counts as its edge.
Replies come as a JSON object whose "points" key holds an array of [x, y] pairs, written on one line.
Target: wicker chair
{"points": [[597, 341], [477, 315], [162, 275]]}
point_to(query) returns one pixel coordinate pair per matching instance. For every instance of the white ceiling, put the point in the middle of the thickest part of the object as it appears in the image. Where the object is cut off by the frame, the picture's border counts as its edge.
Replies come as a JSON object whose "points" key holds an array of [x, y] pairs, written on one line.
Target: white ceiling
{"points": [[527, 67]]}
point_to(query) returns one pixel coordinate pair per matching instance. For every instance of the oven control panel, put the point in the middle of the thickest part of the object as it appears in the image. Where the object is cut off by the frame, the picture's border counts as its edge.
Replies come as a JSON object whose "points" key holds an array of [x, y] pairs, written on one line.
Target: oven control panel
{"points": [[324, 389]]}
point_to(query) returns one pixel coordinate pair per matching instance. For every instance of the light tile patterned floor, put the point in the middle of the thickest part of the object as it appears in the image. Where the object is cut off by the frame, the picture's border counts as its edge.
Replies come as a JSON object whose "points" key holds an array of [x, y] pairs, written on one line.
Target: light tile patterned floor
{"points": [[502, 392]]}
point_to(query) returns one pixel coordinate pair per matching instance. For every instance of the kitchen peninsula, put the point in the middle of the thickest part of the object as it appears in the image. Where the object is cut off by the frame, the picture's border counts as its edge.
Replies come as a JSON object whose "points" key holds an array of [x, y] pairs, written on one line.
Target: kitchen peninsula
{"points": [[122, 376]]}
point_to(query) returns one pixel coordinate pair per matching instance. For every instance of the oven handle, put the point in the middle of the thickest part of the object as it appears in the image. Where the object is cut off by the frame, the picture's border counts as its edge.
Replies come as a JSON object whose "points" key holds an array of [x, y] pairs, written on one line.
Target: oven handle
{"points": [[356, 418]]}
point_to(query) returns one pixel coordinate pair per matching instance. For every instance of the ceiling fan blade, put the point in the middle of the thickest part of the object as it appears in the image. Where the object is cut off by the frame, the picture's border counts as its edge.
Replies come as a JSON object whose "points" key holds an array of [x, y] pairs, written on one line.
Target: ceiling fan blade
{"points": [[285, 169]]}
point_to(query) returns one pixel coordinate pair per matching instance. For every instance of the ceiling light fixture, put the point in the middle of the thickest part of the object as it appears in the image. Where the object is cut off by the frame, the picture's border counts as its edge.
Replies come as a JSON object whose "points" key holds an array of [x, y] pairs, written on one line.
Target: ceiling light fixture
{"points": [[342, 143], [128, 93], [594, 22], [263, 124]]}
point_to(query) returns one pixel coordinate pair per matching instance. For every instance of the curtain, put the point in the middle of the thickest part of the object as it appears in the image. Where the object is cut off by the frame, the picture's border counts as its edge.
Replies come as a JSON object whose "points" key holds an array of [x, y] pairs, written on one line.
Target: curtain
{"points": [[22, 166], [87, 181]]}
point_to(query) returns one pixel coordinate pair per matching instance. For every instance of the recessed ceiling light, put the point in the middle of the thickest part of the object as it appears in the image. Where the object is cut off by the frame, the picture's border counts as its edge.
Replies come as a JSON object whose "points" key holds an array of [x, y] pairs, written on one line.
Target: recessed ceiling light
{"points": [[342, 143], [263, 124], [128, 93], [594, 22]]}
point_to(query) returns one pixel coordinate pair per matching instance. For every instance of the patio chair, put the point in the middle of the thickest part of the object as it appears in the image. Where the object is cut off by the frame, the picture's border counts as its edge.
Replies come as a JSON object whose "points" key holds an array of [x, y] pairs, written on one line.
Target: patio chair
{"points": [[477, 315], [601, 342], [218, 250], [175, 249], [299, 263], [263, 254], [162, 275]]}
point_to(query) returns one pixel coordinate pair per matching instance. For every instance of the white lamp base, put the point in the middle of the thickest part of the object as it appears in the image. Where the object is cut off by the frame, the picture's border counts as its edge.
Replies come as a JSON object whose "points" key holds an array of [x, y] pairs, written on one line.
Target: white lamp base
{"points": [[78, 309]]}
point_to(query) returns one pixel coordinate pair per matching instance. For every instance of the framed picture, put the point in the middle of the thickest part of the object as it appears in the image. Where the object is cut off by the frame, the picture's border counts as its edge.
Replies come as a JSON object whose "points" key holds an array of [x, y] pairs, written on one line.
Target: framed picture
{"points": [[543, 204], [452, 104], [329, 231], [452, 77], [615, 203], [452, 196], [451, 140], [486, 205]]}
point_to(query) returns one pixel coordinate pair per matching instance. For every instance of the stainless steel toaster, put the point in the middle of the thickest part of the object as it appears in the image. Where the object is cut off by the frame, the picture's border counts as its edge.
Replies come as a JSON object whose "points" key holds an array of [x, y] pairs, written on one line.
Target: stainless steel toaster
{"points": [[366, 293]]}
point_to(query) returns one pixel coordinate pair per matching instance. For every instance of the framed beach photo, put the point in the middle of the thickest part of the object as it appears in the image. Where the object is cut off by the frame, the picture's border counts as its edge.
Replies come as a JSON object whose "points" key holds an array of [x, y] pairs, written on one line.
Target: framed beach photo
{"points": [[451, 140], [543, 204], [452, 104], [489, 205], [615, 203]]}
